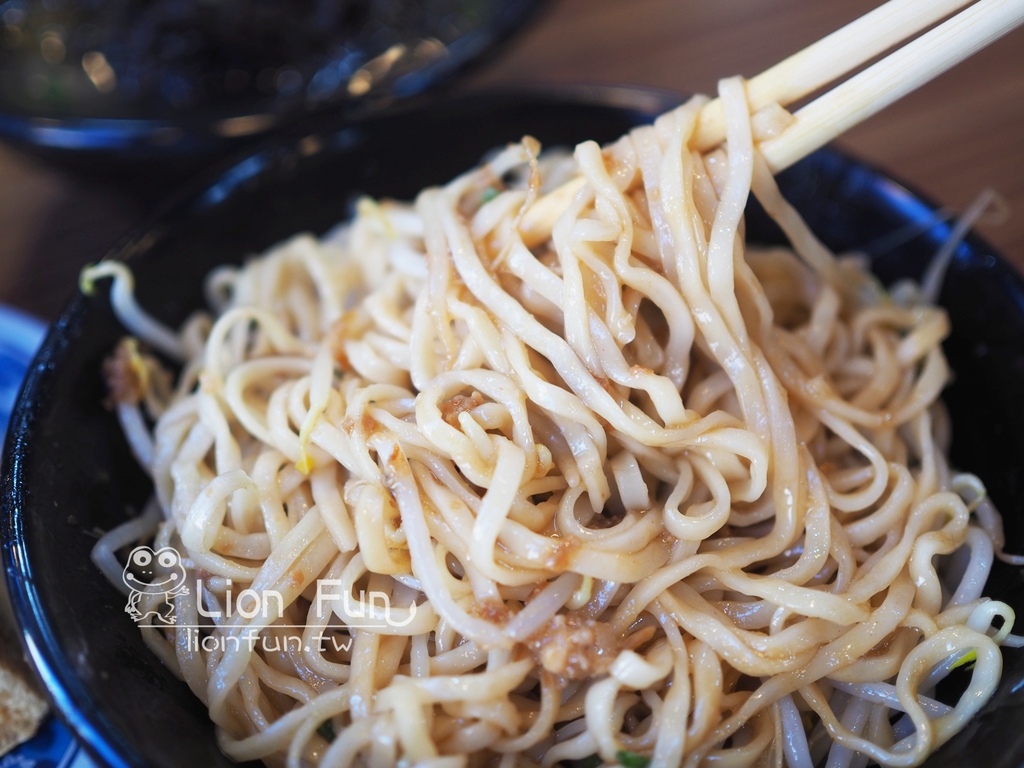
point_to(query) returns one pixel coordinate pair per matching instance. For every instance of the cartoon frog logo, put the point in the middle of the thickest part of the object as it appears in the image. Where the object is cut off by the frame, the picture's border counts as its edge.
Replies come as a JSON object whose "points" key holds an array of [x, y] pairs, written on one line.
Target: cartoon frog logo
{"points": [[156, 573]]}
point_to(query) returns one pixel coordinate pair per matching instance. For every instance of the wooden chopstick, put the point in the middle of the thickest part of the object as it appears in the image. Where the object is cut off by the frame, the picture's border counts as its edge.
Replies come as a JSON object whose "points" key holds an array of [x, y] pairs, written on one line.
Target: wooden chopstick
{"points": [[828, 59], [848, 103], [891, 78]]}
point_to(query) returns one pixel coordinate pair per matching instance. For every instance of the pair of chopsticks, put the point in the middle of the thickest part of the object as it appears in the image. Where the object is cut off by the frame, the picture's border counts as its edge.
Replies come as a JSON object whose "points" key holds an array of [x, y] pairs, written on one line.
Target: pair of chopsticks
{"points": [[851, 101], [885, 81]]}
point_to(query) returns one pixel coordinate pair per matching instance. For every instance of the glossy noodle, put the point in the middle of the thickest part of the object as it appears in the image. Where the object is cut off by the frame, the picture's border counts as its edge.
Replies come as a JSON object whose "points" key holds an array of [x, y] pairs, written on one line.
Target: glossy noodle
{"points": [[612, 486]]}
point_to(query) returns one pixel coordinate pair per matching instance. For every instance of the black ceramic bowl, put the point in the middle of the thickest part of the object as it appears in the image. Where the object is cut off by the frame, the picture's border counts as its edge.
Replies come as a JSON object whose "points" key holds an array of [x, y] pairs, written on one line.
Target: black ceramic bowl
{"points": [[68, 472]]}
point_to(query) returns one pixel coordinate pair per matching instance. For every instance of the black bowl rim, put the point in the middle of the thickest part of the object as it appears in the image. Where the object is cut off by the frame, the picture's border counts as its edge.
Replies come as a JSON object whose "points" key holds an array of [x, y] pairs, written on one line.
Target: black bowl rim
{"points": [[68, 694]]}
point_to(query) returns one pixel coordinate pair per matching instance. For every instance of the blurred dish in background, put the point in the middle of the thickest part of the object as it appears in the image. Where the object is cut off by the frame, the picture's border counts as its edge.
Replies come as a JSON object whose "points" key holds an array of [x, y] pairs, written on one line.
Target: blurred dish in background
{"points": [[190, 77], [21, 707], [20, 337]]}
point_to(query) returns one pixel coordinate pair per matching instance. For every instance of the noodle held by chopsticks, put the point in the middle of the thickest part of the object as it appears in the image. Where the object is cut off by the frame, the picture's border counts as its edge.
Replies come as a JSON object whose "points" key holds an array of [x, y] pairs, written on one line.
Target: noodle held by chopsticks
{"points": [[640, 490]]}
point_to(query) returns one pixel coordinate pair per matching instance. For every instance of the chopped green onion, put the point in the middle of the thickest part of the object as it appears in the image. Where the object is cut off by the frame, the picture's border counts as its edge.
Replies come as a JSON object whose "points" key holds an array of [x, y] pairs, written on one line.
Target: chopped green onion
{"points": [[326, 730], [632, 759], [967, 659]]}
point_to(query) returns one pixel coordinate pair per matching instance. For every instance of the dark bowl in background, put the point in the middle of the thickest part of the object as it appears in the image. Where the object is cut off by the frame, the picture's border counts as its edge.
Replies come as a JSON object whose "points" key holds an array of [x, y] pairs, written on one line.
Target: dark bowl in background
{"points": [[94, 82], [68, 473]]}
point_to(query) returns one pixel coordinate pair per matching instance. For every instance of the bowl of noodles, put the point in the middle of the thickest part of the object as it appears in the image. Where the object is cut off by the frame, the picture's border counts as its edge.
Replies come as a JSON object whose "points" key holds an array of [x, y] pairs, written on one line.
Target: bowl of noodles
{"points": [[458, 484]]}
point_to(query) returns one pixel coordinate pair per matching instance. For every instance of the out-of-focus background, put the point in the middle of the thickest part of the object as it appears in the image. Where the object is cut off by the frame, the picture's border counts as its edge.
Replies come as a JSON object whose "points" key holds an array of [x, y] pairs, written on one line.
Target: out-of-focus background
{"points": [[951, 139]]}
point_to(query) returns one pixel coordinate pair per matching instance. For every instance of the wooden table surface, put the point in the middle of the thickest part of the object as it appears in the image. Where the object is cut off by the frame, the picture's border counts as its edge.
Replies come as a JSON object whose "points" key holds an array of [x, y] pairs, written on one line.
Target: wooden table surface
{"points": [[951, 139]]}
